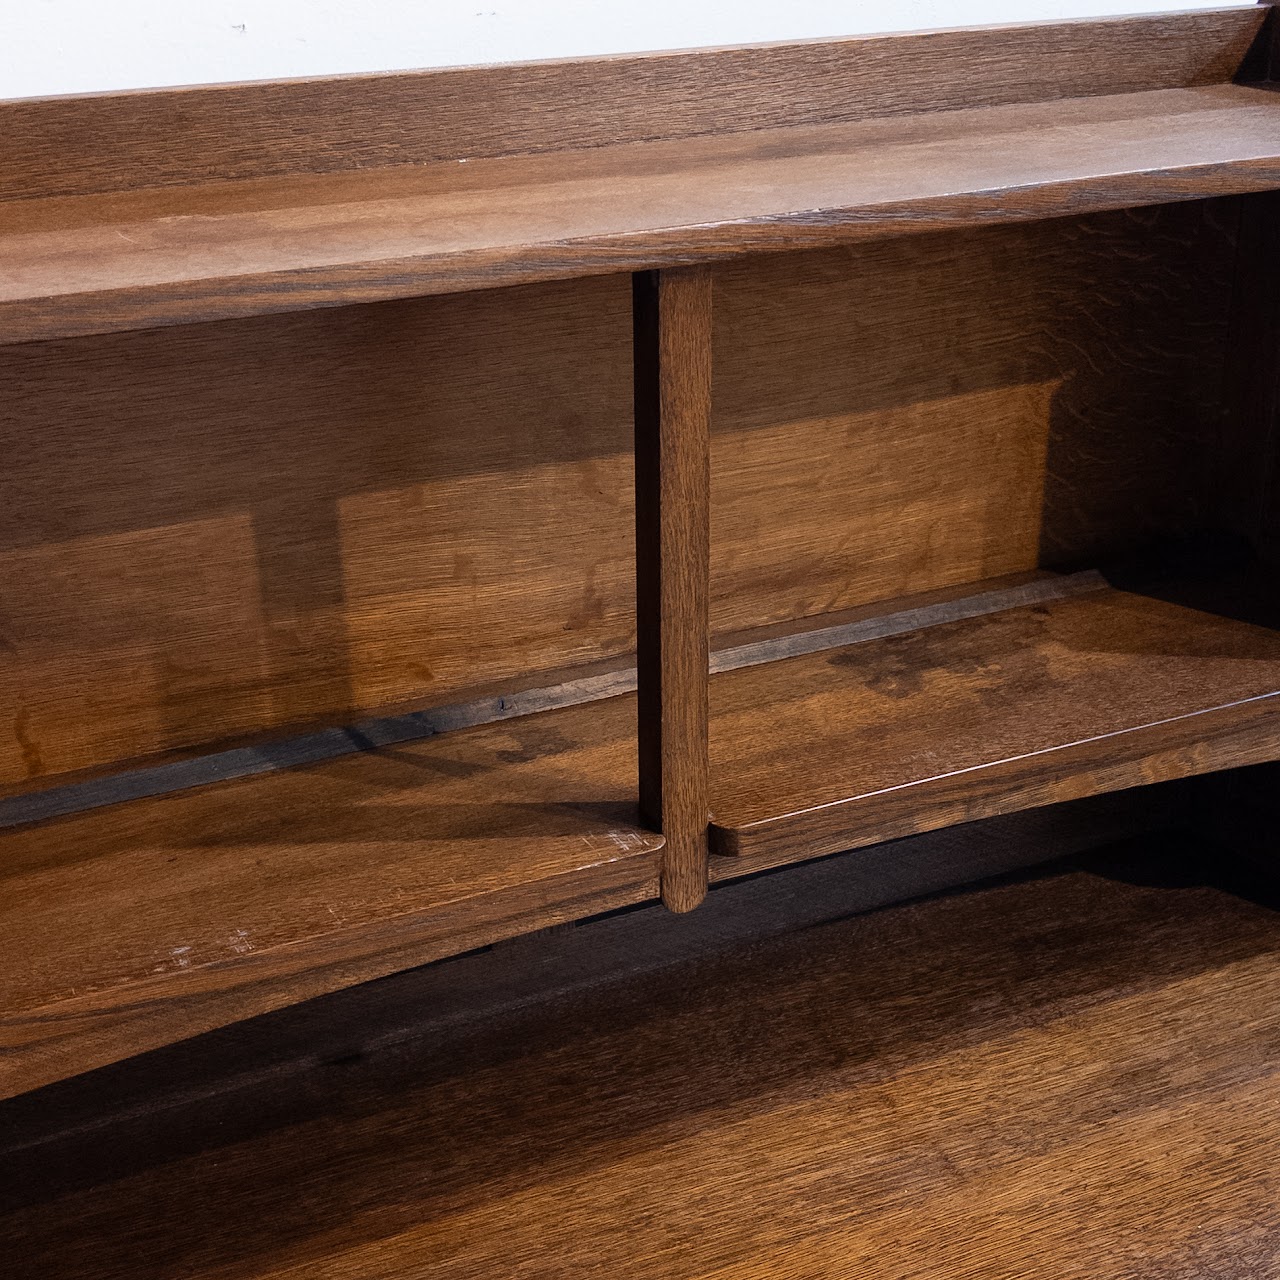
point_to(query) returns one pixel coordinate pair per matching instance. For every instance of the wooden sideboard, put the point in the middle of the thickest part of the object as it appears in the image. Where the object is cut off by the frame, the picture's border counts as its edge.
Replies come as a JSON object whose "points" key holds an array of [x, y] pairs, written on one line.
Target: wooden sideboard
{"points": [[441, 505]]}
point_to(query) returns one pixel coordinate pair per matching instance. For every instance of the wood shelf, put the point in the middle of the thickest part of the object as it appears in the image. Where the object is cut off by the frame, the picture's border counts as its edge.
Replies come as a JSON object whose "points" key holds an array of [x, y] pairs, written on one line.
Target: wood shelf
{"points": [[1004, 711], [245, 529], [98, 263], [224, 902]]}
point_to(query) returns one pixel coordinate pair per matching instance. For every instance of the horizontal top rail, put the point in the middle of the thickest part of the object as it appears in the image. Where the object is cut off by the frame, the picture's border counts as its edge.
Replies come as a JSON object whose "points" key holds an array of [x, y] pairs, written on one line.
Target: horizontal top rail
{"points": [[98, 264]]}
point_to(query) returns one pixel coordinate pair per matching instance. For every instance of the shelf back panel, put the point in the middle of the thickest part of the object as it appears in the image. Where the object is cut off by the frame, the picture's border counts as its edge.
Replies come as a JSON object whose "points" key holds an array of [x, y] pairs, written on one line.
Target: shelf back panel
{"points": [[218, 531]]}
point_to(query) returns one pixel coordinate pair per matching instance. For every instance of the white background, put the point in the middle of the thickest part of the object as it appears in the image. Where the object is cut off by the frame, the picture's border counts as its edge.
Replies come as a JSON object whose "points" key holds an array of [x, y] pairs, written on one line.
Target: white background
{"points": [[77, 46]]}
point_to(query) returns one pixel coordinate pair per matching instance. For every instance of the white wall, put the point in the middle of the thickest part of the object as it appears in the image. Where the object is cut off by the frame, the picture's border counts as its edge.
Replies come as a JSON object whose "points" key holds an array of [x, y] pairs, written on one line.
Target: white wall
{"points": [[77, 46]]}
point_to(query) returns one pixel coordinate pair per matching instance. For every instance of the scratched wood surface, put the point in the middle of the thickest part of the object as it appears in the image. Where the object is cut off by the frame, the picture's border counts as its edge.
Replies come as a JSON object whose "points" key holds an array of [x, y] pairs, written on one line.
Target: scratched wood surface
{"points": [[156, 920], [101, 264], [234, 529], [1071, 1076]]}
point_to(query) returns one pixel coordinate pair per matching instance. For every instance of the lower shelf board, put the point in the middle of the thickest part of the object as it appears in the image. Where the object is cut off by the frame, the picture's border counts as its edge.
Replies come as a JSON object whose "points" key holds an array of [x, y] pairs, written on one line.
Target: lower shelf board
{"points": [[131, 926], [134, 926], [1009, 710]]}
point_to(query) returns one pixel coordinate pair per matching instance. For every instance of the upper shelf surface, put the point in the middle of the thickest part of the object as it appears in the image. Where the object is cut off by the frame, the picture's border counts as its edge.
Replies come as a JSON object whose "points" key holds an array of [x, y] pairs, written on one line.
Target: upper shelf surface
{"points": [[100, 263]]}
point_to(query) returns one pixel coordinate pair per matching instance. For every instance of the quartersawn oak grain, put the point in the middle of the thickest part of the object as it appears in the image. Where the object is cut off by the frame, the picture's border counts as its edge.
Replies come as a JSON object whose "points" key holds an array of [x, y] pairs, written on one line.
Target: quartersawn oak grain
{"points": [[987, 715], [79, 794], [79, 263], [99, 264], [167, 917]]}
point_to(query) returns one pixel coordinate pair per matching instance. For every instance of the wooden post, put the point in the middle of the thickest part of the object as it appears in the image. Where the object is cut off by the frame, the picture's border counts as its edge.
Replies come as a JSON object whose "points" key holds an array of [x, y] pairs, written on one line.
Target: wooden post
{"points": [[672, 319]]}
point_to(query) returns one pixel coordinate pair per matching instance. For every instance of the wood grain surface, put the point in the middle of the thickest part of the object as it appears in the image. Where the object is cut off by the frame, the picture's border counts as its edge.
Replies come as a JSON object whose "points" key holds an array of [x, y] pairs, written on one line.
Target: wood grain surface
{"points": [[815, 754], [156, 920], [109, 142], [673, 319], [214, 1078], [1262, 62], [100, 264], [766, 644], [136, 925], [314, 507], [228, 530], [1071, 1076]]}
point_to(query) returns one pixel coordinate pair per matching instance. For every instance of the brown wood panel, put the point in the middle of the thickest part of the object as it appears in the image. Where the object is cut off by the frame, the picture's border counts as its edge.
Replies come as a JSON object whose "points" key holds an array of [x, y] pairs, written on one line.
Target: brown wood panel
{"points": [[673, 318], [183, 770], [982, 716], [1141, 448], [1262, 62], [913, 414], [224, 530], [1072, 1076], [100, 264], [214, 1079], [110, 142], [132, 926], [143, 924]]}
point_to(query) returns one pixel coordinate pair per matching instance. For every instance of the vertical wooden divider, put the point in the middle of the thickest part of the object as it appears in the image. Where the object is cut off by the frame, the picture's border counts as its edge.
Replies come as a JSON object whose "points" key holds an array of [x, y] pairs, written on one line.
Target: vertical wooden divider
{"points": [[672, 339]]}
